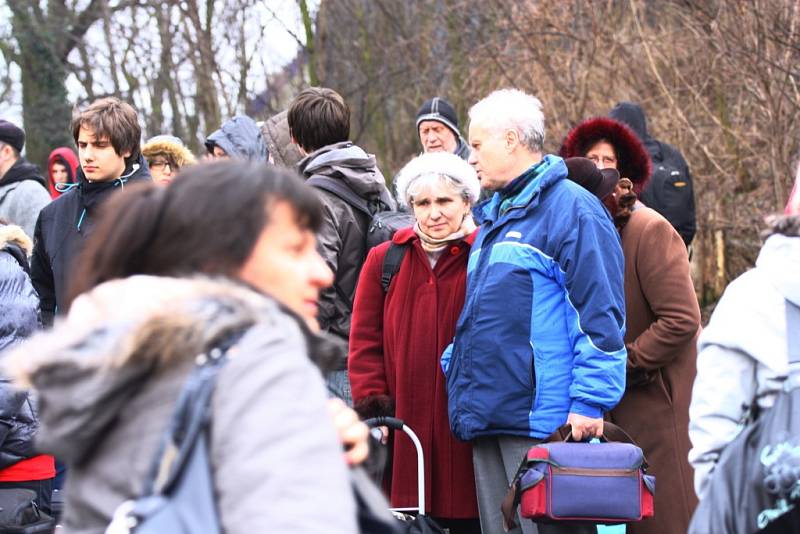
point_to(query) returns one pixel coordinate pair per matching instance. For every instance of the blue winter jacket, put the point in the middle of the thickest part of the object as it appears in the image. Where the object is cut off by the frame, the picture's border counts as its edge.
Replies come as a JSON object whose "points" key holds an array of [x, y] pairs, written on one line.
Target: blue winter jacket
{"points": [[541, 332]]}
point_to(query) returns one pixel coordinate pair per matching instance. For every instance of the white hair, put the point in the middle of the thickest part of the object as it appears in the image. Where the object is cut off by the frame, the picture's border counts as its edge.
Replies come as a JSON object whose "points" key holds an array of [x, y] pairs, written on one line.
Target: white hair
{"points": [[512, 109], [443, 166]]}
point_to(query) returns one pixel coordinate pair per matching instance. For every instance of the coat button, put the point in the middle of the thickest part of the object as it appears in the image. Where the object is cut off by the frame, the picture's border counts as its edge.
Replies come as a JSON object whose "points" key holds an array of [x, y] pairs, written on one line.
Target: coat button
{"points": [[454, 250]]}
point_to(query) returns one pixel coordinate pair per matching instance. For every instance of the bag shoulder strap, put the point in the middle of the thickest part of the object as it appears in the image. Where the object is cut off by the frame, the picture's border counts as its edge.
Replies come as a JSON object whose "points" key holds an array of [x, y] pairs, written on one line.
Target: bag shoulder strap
{"points": [[793, 332], [341, 190], [391, 263], [190, 418]]}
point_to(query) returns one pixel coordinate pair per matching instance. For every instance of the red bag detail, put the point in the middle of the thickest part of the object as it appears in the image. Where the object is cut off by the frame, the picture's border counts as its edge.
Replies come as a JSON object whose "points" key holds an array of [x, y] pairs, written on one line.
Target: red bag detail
{"points": [[648, 506], [534, 501], [538, 453]]}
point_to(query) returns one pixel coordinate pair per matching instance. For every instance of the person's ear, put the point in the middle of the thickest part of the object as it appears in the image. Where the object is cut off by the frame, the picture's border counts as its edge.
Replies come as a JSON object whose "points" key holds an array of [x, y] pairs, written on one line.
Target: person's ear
{"points": [[511, 139], [126, 154]]}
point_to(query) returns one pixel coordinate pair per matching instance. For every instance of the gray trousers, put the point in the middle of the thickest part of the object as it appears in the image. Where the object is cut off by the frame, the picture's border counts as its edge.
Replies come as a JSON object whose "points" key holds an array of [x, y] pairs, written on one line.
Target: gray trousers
{"points": [[496, 460]]}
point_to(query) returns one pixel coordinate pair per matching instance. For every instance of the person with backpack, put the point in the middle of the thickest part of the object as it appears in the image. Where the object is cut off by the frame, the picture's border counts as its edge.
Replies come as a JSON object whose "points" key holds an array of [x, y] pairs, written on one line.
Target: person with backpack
{"points": [[319, 123], [156, 296], [671, 190], [409, 295], [743, 369]]}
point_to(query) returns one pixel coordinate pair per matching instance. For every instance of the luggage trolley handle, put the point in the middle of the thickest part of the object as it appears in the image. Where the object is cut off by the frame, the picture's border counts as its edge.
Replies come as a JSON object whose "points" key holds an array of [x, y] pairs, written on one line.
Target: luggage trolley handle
{"points": [[398, 424]]}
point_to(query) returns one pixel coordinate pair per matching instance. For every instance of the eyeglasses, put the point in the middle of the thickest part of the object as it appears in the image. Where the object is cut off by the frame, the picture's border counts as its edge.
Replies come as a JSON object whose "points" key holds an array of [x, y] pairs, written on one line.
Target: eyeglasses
{"points": [[161, 164]]}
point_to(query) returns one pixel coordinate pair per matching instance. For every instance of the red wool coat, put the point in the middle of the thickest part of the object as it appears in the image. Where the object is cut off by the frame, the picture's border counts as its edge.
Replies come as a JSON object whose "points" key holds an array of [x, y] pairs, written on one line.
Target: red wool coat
{"points": [[396, 342]]}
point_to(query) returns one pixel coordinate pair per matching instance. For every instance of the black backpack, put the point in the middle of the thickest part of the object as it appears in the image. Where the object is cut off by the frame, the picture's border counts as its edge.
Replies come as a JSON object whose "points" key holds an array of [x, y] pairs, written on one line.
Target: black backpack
{"points": [[671, 192], [383, 220], [755, 484]]}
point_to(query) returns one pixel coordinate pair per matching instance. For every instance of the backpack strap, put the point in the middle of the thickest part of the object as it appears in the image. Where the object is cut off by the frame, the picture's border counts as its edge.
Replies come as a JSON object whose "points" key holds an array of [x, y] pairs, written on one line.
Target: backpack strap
{"points": [[190, 417], [391, 263], [341, 190]]}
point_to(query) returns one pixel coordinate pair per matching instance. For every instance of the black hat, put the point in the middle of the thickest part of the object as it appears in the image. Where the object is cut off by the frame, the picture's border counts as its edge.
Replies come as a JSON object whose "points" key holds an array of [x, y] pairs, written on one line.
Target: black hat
{"points": [[440, 110], [11, 134], [599, 182]]}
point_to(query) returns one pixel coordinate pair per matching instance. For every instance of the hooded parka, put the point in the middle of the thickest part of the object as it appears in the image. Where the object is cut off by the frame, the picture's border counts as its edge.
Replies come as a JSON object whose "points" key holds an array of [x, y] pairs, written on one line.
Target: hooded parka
{"points": [[662, 322], [19, 319], [240, 138], [671, 191], [342, 238], [396, 340], [109, 376], [23, 194], [65, 156], [62, 230]]}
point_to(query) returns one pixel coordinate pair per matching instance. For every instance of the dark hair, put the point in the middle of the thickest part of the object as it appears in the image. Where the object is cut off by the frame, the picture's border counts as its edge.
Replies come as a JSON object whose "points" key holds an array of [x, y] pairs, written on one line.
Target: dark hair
{"points": [[207, 221], [318, 117], [112, 119]]}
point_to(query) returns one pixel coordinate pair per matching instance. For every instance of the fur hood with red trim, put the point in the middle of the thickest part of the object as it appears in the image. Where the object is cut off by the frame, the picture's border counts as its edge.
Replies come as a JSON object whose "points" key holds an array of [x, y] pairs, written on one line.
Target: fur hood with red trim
{"points": [[633, 159]]}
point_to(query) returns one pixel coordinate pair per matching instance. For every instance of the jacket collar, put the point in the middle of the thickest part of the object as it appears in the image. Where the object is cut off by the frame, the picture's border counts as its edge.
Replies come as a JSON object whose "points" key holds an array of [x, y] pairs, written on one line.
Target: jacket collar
{"points": [[407, 235], [525, 190]]}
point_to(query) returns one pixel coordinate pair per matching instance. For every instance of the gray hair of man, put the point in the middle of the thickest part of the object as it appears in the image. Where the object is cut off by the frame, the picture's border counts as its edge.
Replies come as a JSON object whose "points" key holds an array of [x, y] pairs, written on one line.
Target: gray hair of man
{"points": [[442, 167], [512, 109]]}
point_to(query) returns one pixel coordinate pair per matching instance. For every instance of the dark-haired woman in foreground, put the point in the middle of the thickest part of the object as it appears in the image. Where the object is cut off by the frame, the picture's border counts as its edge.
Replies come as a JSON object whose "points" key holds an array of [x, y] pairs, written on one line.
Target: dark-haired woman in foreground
{"points": [[169, 273], [662, 320]]}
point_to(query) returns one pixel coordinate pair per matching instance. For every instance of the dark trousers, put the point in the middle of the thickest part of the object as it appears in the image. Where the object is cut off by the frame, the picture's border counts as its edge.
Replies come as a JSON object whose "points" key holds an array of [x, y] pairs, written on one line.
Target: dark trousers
{"points": [[43, 489]]}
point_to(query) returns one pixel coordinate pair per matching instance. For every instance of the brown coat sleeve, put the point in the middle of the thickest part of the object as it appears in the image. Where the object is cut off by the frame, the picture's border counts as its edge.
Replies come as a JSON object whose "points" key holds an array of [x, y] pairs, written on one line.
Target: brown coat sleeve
{"points": [[662, 271]]}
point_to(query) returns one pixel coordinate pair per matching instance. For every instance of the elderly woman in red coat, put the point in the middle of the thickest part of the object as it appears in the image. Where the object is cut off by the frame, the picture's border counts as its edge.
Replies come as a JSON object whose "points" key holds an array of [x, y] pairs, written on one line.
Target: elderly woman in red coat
{"points": [[662, 321], [398, 335]]}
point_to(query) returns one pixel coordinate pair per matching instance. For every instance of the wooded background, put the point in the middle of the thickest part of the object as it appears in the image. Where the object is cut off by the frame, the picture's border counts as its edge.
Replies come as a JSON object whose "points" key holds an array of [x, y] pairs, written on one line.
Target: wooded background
{"points": [[718, 79]]}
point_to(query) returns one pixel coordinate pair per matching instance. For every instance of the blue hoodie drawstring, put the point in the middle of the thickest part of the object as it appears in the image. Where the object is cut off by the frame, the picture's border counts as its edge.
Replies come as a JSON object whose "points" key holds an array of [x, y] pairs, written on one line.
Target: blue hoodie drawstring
{"points": [[118, 182], [80, 219], [64, 187]]}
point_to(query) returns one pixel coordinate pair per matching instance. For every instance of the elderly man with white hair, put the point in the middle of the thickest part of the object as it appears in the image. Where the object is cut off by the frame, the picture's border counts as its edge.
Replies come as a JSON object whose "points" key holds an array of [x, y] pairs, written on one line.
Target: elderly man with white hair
{"points": [[539, 342]]}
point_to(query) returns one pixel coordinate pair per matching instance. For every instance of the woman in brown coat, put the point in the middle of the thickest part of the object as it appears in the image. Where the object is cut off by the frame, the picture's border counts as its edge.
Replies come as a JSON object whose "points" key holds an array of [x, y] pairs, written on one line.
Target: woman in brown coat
{"points": [[662, 323]]}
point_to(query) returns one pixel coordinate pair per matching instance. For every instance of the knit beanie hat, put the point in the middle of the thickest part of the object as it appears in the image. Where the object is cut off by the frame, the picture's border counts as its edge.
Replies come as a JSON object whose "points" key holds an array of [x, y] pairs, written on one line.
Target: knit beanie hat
{"points": [[599, 182], [11, 134], [440, 110]]}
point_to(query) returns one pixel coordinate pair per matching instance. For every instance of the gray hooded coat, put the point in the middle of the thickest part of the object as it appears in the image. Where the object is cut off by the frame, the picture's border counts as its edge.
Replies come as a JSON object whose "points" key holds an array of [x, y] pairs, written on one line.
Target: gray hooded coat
{"points": [[108, 377], [240, 138], [342, 238]]}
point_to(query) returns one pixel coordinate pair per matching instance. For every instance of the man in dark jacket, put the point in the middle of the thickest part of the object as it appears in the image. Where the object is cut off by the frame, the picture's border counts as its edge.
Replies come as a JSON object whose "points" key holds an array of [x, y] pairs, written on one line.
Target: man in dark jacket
{"points": [[108, 135], [23, 190], [319, 123], [670, 191]]}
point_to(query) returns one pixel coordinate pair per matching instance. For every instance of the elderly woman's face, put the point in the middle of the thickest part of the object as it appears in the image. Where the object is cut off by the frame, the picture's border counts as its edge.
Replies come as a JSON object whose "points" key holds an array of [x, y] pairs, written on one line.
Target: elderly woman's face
{"points": [[603, 155], [439, 209]]}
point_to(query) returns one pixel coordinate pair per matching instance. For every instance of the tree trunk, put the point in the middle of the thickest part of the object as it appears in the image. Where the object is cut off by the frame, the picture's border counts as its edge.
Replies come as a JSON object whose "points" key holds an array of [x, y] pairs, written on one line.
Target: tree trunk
{"points": [[45, 109]]}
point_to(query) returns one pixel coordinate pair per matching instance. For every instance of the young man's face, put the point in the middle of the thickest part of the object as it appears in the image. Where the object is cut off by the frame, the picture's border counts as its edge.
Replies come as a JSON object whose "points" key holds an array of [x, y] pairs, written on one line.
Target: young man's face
{"points": [[99, 161]]}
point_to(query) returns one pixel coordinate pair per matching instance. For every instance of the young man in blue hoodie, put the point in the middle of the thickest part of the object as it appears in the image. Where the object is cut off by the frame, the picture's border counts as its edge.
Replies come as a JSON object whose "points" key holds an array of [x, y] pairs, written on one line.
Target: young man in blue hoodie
{"points": [[539, 342]]}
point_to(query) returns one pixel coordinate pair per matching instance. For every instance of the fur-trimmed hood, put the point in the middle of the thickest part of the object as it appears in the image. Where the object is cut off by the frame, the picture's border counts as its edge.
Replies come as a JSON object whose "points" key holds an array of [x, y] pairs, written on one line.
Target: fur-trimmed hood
{"points": [[11, 234], [162, 144], [633, 159], [88, 367]]}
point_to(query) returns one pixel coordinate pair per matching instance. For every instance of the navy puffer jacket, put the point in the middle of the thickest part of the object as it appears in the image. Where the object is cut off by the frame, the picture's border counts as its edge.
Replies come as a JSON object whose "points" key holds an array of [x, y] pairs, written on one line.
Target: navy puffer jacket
{"points": [[19, 318]]}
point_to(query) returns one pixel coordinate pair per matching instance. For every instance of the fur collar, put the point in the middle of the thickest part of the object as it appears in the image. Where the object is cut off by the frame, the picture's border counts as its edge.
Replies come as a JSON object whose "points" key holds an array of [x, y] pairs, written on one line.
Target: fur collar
{"points": [[14, 235]]}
